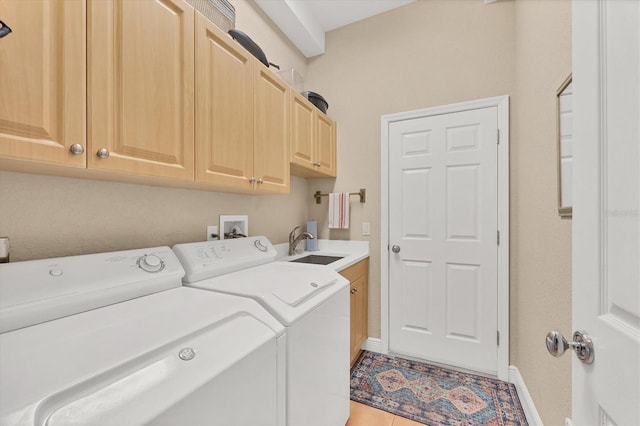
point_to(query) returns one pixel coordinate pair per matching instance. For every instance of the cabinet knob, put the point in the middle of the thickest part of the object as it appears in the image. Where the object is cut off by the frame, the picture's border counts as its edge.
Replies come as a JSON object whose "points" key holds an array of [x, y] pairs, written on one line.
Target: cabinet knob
{"points": [[76, 149], [260, 181], [252, 179], [316, 164], [354, 290], [103, 153]]}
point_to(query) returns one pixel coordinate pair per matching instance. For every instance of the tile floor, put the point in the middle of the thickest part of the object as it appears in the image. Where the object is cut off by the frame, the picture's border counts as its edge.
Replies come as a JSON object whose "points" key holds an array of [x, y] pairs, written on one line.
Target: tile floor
{"points": [[363, 415]]}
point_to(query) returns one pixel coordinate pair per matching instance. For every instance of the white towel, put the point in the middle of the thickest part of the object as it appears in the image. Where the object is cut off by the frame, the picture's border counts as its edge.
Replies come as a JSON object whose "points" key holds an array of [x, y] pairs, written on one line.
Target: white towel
{"points": [[339, 210]]}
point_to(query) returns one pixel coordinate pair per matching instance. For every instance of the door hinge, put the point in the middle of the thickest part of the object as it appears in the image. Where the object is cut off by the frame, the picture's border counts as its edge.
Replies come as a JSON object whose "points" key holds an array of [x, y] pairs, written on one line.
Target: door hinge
{"points": [[498, 137], [498, 237], [497, 338]]}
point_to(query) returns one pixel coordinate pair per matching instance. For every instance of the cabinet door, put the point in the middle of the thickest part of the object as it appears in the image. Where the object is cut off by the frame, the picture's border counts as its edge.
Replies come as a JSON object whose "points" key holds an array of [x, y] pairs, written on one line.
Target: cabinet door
{"points": [[326, 145], [358, 316], [302, 132], [141, 87], [358, 276], [224, 109], [43, 81], [271, 137]]}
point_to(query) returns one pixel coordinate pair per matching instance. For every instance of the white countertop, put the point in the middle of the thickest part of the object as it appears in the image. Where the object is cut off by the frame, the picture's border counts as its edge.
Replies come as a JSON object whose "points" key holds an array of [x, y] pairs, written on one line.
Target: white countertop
{"points": [[351, 251]]}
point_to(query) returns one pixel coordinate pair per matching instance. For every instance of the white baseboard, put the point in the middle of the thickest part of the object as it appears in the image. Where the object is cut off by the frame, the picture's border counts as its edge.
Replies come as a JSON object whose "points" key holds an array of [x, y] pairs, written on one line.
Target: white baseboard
{"points": [[533, 418], [373, 344]]}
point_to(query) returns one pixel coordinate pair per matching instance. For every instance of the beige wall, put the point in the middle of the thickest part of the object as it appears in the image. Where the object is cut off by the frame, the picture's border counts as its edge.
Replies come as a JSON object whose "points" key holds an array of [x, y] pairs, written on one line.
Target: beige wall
{"points": [[438, 52], [540, 240], [49, 216]]}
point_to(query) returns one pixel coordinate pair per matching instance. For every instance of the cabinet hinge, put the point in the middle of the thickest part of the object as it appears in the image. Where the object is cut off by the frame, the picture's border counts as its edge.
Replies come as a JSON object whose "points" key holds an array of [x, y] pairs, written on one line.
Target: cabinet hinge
{"points": [[498, 137], [498, 237], [497, 338]]}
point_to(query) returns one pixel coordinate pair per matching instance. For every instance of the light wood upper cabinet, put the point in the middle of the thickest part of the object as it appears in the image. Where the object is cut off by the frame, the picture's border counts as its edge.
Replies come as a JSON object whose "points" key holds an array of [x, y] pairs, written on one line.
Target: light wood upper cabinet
{"points": [[144, 89], [141, 86], [242, 117], [271, 137], [224, 109], [313, 140], [325, 145], [42, 81]]}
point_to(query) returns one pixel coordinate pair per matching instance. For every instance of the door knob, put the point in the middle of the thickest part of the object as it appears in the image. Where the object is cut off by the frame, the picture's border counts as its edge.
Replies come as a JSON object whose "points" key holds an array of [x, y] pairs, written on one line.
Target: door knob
{"points": [[395, 248], [581, 344]]}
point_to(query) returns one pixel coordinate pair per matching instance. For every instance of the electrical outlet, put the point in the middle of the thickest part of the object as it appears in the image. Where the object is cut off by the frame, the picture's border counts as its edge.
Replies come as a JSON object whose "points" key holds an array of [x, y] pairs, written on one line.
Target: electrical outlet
{"points": [[212, 230], [568, 422], [366, 228]]}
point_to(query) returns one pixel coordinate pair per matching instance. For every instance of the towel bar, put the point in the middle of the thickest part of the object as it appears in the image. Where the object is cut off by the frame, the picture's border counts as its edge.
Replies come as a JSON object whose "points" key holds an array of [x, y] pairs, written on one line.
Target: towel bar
{"points": [[362, 193]]}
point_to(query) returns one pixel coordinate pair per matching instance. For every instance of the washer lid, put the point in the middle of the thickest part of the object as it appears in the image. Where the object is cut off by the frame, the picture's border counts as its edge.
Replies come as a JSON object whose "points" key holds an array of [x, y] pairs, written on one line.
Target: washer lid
{"points": [[36, 291], [93, 367], [287, 290]]}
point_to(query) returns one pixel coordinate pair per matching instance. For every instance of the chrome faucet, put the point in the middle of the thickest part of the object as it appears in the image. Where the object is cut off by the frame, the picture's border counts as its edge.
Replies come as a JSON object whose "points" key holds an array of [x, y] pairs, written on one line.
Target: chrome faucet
{"points": [[293, 240]]}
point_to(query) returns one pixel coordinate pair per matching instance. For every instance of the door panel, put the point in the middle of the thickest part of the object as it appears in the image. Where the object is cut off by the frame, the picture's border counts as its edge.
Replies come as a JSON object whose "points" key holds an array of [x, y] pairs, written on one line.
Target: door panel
{"points": [[326, 145], [302, 131], [141, 87], [43, 81], [606, 210], [271, 144], [443, 216], [224, 105]]}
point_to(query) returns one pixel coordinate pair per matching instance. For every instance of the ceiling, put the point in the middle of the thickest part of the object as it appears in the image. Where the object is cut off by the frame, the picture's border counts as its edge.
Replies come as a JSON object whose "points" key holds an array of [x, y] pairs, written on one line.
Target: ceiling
{"points": [[305, 22]]}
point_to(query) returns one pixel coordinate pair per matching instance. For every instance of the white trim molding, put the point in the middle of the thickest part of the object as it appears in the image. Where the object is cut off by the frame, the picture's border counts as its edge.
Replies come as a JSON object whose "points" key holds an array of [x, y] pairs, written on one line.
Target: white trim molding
{"points": [[502, 105], [529, 408], [373, 345]]}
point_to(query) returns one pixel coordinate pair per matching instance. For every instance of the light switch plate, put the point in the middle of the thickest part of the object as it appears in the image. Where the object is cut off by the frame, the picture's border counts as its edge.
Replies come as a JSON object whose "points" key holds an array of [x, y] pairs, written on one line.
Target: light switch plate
{"points": [[366, 228]]}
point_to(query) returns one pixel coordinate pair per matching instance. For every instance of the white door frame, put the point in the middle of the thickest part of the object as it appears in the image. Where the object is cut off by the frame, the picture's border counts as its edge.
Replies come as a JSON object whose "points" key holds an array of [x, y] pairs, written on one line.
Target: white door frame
{"points": [[502, 103]]}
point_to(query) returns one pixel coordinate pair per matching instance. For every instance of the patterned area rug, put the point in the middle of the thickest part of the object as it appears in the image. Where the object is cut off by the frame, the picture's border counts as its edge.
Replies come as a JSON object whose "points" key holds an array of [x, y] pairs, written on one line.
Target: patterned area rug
{"points": [[433, 395]]}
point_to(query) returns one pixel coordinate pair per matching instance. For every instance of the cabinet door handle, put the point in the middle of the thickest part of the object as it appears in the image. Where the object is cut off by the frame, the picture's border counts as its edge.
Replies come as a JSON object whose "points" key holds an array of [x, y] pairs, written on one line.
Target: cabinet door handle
{"points": [[103, 153], [354, 290], [76, 149], [4, 29]]}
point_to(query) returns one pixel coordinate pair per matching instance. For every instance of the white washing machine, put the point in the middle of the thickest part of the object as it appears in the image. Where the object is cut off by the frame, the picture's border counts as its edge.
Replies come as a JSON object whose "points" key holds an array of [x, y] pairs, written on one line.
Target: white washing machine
{"points": [[311, 301], [114, 339]]}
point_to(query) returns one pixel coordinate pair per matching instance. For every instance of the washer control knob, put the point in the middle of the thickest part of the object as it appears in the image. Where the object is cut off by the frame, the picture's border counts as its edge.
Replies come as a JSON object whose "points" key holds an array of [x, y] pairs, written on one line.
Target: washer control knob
{"points": [[150, 263], [260, 245]]}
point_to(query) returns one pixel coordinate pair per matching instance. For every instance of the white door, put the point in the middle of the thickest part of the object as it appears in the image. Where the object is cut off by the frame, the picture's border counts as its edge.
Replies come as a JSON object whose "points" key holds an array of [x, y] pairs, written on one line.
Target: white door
{"points": [[606, 210], [443, 223]]}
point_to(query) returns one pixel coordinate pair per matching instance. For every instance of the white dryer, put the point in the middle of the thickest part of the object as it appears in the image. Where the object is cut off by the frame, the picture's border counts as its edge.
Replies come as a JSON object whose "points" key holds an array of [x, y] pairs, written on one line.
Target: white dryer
{"points": [[311, 301], [114, 339]]}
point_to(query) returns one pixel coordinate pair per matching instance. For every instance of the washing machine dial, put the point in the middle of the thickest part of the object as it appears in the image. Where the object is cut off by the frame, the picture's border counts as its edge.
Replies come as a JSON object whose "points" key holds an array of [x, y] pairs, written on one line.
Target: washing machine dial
{"points": [[260, 245], [150, 263]]}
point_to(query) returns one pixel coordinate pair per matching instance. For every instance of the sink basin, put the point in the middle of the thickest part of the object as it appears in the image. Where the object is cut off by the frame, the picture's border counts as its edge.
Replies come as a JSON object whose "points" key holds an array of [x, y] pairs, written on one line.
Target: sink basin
{"points": [[317, 259]]}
